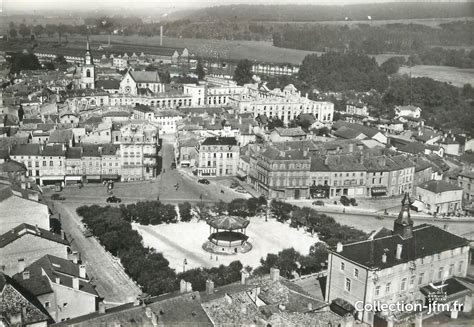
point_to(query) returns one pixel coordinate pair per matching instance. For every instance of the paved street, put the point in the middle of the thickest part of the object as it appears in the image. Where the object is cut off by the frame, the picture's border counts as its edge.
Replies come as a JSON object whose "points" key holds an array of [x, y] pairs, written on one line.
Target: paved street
{"points": [[107, 274]]}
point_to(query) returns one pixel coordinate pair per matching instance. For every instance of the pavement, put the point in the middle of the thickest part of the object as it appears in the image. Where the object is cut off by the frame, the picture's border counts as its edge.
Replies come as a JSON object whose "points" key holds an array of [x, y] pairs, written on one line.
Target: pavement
{"points": [[106, 271]]}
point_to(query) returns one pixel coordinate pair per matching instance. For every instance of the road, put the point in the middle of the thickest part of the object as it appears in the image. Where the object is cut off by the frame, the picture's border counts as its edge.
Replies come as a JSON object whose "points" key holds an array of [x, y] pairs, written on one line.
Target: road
{"points": [[106, 272]]}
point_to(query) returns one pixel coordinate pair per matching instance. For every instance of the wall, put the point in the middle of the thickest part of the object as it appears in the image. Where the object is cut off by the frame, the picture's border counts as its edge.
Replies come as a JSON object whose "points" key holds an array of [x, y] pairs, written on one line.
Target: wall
{"points": [[31, 248], [16, 210]]}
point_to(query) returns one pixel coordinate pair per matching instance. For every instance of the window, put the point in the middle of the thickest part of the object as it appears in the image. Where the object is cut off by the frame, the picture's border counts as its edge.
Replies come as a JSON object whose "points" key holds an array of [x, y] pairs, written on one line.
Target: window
{"points": [[47, 304], [65, 305], [420, 278], [412, 280], [356, 272], [44, 163], [403, 284], [460, 266], [440, 272], [377, 290], [451, 269], [387, 288], [347, 285], [50, 163], [343, 265]]}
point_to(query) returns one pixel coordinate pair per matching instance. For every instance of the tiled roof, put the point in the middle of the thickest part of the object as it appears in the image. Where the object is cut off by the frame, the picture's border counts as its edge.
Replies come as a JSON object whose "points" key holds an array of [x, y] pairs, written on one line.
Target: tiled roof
{"points": [[412, 147], [427, 240], [347, 133], [108, 84], [90, 150], [439, 186], [26, 150], [18, 301], [61, 136], [344, 162], [109, 149], [12, 166], [116, 114], [24, 229], [290, 132], [55, 268], [368, 131], [219, 141], [74, 153], [145, 77], [54, 150]]}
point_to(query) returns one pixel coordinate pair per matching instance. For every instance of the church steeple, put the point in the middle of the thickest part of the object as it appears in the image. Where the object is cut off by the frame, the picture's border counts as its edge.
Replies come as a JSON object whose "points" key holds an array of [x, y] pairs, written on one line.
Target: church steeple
{"points": [[88, 56], [88, 70], [403, 225]]}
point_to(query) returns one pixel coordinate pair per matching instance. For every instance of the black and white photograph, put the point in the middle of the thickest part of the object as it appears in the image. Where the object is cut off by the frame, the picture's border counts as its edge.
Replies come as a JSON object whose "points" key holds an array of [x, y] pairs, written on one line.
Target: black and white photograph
{"points": [[236, 163]]}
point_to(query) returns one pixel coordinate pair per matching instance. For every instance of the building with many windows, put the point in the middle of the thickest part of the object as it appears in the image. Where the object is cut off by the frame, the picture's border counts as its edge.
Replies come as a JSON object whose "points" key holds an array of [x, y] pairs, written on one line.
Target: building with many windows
{"points": [[411, 265], [218, 156]]}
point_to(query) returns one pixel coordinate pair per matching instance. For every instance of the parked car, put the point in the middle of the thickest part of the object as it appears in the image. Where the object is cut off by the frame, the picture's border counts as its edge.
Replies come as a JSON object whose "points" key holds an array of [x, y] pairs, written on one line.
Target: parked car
{"points": [[203, 181], [345, 200], [318, 203], [113, 199], [353, 202], [57, 196]]}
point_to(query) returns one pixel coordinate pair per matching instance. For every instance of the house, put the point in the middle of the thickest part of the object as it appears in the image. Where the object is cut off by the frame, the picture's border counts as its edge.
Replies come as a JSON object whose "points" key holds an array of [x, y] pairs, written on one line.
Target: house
{"points": [[406, 265], [218, 156], [69, 118], [17, 208], [73, 165], [111, 86], [408, 111], [61, 286], [357, 108], [25, 243], [287, 134], [357, 131], [440, 197], [188, 151], [110, 158], [91, 162], [450, 145], [134, 81], [62, 136], [116, 116], [19, 306], [466, 181]]}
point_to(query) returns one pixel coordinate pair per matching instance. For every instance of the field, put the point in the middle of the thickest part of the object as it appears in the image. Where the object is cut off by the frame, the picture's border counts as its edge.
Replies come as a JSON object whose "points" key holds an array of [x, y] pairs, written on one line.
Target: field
{"points": [[184, 241], [452, 75]]}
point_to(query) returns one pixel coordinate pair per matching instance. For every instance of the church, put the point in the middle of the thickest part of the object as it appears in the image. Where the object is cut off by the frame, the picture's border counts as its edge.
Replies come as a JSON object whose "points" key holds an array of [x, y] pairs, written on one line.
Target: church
{"points": [[392, 278], [88, 70]]}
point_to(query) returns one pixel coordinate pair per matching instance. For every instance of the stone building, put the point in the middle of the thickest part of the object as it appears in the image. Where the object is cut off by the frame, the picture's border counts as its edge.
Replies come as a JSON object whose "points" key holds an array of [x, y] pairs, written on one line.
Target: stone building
{"points": [[218, 156], [403, 268], [440, 197]]}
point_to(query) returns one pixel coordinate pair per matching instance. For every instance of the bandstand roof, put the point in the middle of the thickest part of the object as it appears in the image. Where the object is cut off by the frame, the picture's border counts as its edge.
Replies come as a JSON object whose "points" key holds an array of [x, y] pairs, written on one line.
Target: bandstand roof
{"points": [[228, 222]]}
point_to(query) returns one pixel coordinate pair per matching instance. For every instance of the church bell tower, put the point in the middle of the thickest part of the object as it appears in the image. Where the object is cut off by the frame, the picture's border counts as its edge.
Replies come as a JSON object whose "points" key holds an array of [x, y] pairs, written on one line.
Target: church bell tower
{"points": [[403, 225], [88, 70]]}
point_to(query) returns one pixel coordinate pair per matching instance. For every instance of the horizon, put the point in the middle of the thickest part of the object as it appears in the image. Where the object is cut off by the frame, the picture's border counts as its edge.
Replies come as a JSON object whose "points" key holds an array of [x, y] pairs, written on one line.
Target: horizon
{"points": [[39, 6]]}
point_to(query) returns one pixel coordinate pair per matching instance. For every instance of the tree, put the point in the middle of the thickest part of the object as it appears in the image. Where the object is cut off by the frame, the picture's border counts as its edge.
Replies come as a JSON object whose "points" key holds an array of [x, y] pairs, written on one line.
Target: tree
{"points": [[13, 33], [201, 73], [60, 59], [38, 30], [275, 122], [21, 113], [392, 65], [24, 61], [185, 211], [24, 31], [49, 65], [243, 72]]}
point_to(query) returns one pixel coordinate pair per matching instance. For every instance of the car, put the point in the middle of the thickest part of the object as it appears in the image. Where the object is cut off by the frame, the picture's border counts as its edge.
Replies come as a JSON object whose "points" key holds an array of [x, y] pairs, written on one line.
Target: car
{"points": [[345, 200], [113, 199], [203, 181], [57, 196], [353, 202], [318, 203]]}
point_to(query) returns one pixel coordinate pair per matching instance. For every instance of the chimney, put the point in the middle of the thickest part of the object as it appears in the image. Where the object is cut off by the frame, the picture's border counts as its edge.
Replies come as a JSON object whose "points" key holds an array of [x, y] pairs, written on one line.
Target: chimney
{"points": [[161, 35], [209, 286], [28, 185], [75, 283], [23, 186], [154, 319], [244, 275], [384, 258], [398, 255], [57, 280], [339, 247], [310, 306], [101, 307], [182, 286], [82, 271], [326, 161], [274, 274], [351, 148], [26, 274], [21, 265]]}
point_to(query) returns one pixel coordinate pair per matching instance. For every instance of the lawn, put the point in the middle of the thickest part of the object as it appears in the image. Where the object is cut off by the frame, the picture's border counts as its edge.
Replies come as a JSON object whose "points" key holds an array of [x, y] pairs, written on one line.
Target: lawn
{"points": [[184, 241], [452, 75]]}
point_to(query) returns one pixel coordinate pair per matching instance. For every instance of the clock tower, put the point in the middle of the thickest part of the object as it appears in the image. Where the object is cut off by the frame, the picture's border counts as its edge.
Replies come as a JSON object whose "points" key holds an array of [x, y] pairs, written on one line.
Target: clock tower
{"points": [[88, 70]]}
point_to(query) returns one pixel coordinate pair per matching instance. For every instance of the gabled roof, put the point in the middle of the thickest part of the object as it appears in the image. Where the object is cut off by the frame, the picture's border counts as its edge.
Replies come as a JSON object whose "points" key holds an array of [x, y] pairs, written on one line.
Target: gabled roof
{"points": [[55, 268], [109, 149], [108, 84], [439, 186], [290, 132], [427, 240], [53, 150], [12, 166], [90, 150], [25, 303], [145, 76], [26, 150], [24, 229], [116, 114], [74, 153]]}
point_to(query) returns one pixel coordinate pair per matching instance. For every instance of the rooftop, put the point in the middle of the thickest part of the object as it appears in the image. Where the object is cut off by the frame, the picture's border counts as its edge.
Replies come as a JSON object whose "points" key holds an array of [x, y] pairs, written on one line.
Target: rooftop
{"points": [[219, 141], [228, 222], [23, 229], [439, 186]]}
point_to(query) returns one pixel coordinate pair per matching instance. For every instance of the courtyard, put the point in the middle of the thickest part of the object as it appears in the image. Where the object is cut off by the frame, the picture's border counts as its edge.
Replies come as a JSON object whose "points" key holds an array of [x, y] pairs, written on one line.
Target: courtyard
{"points": [[183, 241]]}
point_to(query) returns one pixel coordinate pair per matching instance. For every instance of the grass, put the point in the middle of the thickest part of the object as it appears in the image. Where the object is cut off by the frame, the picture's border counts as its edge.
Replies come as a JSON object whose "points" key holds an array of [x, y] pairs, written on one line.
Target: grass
{"points": [[451, 75]]}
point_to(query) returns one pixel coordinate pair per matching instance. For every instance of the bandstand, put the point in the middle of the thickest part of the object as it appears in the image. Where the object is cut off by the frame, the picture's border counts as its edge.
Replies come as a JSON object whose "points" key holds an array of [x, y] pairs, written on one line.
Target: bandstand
{"points": [[227, 235]]}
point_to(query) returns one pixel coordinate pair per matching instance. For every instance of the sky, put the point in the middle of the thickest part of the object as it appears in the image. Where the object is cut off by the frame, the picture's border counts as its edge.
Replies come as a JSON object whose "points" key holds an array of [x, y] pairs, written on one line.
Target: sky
{"points": [[29, 5]]}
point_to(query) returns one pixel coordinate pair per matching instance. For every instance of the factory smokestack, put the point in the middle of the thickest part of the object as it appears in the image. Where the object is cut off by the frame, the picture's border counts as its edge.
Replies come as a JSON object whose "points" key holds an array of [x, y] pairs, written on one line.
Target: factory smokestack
{"points": [[161, 35]]}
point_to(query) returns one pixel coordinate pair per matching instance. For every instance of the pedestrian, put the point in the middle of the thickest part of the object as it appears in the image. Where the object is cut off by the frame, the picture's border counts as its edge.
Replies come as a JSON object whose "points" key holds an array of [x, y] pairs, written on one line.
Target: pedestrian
{"points": [[344, 210], [211, 256], [217, 258]]}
